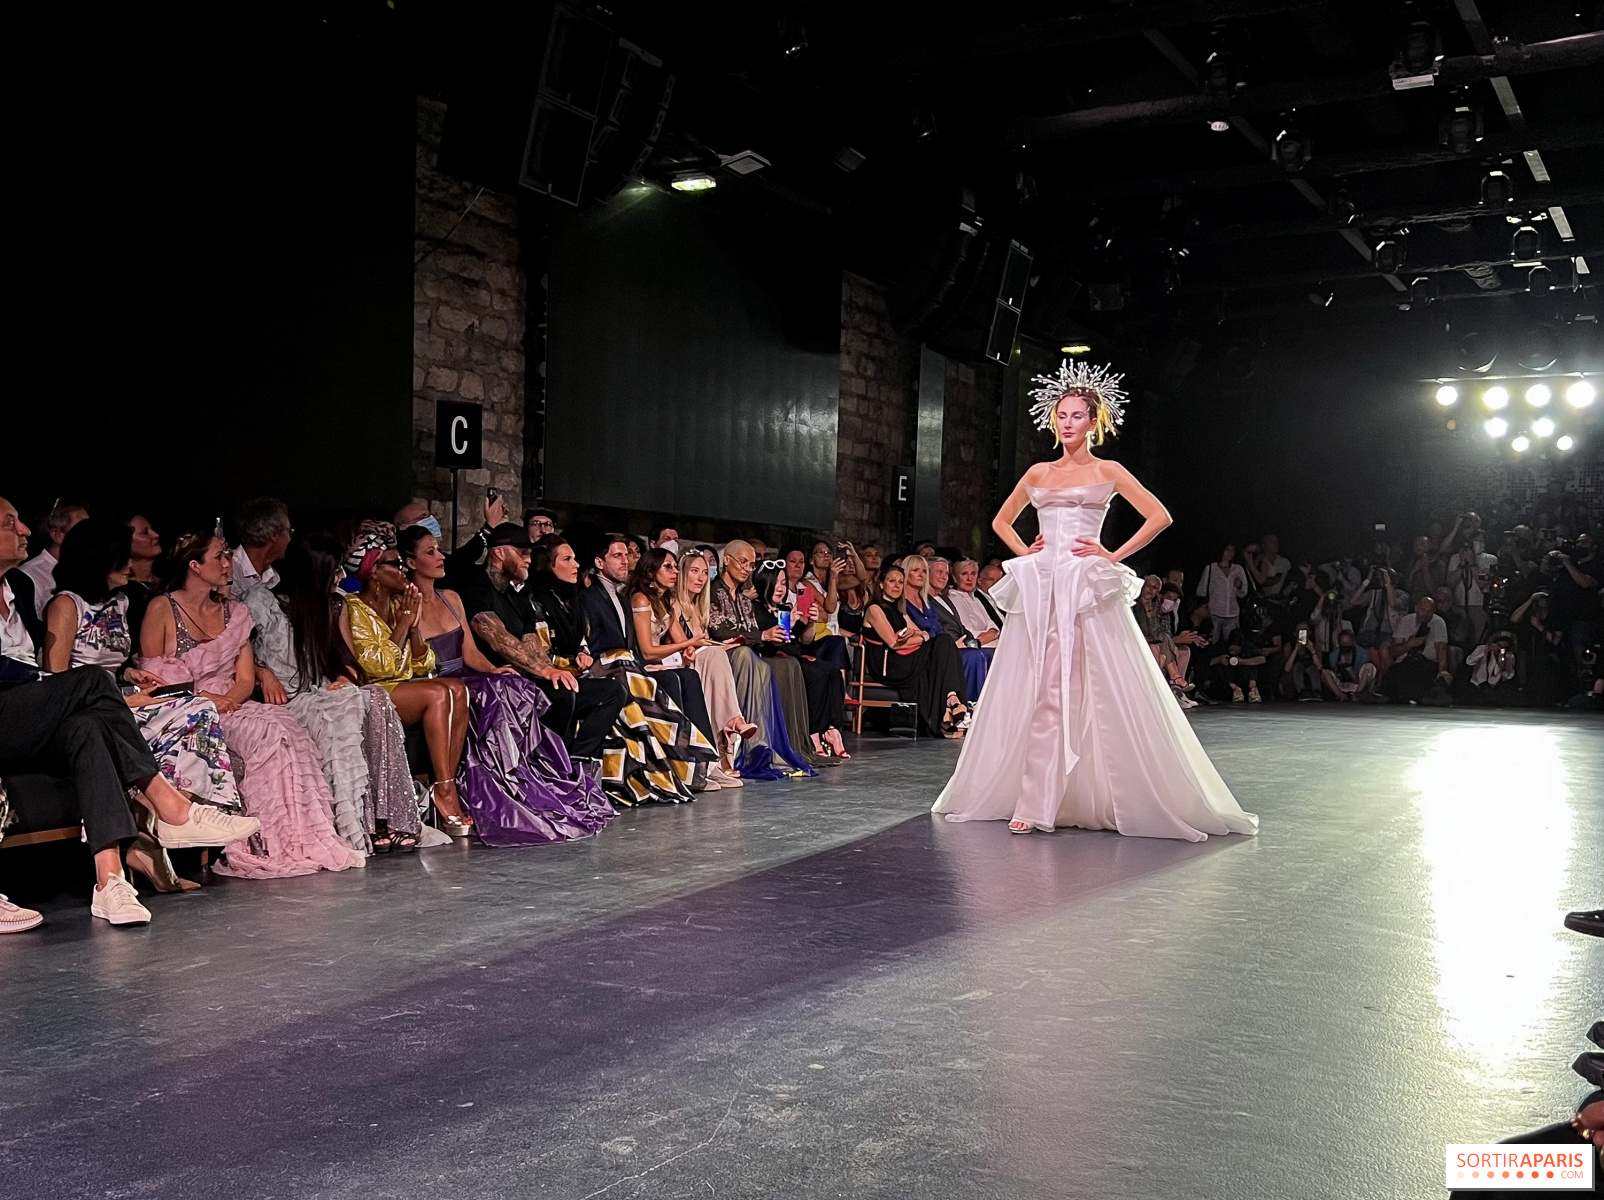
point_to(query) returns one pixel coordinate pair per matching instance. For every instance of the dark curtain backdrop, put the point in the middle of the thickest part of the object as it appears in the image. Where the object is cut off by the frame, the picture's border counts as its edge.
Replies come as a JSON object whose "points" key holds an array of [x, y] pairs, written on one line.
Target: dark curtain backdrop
{"points": [[213, 291], [694, 358]]}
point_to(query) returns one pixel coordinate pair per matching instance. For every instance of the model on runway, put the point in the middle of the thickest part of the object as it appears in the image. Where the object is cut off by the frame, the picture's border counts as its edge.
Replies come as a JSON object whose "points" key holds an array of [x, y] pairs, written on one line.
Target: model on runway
{"points": [[1077, 725]]}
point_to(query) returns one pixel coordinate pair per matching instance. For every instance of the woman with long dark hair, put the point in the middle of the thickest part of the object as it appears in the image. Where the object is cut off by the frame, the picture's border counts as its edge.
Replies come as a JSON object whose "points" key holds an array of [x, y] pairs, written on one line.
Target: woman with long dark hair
{"points": [[358, 734], [196, 632], [823, 700], [516, 777], [86, 624], [653, 753]]}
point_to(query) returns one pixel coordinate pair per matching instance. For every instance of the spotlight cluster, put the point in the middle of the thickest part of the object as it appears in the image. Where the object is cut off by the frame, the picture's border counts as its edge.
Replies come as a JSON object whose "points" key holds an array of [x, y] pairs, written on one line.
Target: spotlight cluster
{"points": [[1496, 399]]}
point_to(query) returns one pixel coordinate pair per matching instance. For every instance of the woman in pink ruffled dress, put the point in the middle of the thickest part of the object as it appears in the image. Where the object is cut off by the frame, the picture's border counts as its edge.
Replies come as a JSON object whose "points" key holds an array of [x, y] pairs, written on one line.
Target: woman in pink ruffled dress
{"points": [[195, 632], [1077, 725]]}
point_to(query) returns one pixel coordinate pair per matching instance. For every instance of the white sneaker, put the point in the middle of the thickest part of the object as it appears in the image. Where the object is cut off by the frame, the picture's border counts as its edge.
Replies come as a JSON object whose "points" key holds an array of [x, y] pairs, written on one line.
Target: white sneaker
{"points": [[118, 903], [14, 918], [207, 826]]}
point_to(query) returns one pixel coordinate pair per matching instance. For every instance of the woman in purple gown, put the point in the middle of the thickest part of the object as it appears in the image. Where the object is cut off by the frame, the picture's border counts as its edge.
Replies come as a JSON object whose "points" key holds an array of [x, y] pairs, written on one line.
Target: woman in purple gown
{"points": [[516, 777]]}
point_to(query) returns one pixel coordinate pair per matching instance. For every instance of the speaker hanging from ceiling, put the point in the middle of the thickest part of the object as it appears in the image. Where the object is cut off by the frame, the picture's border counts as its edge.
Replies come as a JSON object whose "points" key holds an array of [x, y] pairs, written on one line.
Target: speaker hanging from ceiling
{"points": [[1010, 300]]}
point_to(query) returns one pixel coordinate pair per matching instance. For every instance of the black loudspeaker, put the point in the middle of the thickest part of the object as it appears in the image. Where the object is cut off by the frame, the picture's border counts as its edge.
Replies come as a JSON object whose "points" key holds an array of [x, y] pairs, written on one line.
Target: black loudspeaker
{"points": [[567, 104], [1010, 300]]}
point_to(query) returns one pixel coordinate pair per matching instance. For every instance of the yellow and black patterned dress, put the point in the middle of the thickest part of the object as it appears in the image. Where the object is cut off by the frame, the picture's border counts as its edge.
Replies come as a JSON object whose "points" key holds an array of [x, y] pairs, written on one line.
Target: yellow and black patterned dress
{"points": [[655, 755]]}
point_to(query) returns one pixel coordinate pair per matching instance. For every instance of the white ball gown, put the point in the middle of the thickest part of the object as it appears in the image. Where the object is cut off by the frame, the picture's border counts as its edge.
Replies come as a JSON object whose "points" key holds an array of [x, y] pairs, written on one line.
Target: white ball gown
{"points": [[1077, 725]]}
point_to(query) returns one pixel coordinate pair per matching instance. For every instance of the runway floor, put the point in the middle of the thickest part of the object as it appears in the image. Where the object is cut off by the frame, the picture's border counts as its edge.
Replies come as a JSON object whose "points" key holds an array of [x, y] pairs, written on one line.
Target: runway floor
{"points": [[816, 989]]}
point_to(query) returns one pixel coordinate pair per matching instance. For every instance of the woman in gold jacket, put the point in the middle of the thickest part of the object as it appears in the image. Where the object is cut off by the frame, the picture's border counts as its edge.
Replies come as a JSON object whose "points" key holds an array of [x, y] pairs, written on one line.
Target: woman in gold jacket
{"points": [[380, 625]]}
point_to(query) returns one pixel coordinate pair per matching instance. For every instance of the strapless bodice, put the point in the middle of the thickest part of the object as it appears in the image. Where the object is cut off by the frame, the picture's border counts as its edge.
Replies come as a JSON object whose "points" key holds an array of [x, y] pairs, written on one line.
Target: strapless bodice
{"points": [[1067, 513]]}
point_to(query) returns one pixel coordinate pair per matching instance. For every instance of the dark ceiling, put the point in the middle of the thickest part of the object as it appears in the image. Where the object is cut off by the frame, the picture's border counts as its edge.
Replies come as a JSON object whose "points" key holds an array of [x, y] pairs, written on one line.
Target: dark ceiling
{"points": [[1083, 132]]}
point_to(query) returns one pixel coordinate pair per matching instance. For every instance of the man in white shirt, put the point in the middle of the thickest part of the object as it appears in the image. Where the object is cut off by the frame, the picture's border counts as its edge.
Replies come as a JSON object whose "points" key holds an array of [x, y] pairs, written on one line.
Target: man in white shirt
{"points": [[1224, 583], [41, 568], [1417, 657], [264, 535], [80, 717], [1470, 575], [1269, 566]]}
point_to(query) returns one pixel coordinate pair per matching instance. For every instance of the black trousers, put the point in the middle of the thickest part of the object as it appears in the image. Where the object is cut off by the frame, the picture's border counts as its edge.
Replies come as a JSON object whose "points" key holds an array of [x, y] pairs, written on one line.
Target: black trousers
{"points": [[684, 687], [826, 687], [583, 719], [77, 723]]}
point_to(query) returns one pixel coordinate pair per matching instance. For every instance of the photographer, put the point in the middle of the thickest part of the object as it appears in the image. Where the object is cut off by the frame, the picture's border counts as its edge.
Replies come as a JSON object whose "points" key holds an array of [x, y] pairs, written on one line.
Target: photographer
{"points": [[1376, 607], [1418, 654], [1239, 664], [1349, 673], [1268, 566], [1424, 575], [1470, 572], [1493, 671], [1301, 676], [1573, 573], [1539, 669]]}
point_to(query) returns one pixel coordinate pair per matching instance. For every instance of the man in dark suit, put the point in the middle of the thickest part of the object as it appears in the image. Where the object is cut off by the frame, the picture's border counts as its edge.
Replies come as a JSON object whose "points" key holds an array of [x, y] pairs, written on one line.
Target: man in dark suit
{"points": [[77, 723], [509, 629], [606, 606]]}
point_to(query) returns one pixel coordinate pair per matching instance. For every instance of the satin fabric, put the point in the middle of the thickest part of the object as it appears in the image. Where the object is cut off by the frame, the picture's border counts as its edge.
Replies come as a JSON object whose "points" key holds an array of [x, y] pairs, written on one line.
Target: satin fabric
{"points": [[1077, 725], [516, 778]]}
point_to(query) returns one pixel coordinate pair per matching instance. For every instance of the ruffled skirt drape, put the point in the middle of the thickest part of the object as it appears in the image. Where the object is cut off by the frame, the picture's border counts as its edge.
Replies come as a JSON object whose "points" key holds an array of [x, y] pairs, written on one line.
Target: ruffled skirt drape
{"points": [[516, 778], [334, 720], [1077, 725], [284, 788]]}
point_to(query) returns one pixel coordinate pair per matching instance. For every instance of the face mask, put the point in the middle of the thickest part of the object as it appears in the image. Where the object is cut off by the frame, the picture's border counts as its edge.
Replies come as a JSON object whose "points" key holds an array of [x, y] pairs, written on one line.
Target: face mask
{"points": [[672, 546], [431, 523], [1168, 605]]}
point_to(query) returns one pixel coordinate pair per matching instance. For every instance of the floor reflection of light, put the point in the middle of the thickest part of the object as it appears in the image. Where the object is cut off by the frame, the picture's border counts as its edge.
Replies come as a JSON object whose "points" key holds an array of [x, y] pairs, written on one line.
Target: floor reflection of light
{"points": [[1496, 835]]}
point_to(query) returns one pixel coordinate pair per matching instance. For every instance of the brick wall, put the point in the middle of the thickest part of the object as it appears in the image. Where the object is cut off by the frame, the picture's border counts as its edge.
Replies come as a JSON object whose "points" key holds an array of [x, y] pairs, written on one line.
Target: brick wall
{"points": [[879, 379], [969, 455], [468, 329]]}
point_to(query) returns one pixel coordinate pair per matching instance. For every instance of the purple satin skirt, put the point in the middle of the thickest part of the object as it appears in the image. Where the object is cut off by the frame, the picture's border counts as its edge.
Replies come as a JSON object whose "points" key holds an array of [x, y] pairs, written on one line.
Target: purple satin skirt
{"points": [[516, 777]]}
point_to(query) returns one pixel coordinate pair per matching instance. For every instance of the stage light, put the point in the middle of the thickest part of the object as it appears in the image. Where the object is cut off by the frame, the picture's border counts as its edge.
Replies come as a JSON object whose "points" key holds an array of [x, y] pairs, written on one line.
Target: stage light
{"points": [[1538, 395], [1539, 279], [1521, 444], [1389, 255], [698, 182], [1543, 427], [1525, 244], [1291, 149], [1579, 394], [1497, 190], [1565, 442], [1447, 395], [1496, 427], [1219, 126], [1495, 397], [1460, 129], [1076, 348]]}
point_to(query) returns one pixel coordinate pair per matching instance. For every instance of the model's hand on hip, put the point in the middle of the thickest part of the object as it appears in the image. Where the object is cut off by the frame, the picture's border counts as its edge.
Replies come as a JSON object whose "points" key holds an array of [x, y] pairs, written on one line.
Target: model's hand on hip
{"points": [[1090, 547]]}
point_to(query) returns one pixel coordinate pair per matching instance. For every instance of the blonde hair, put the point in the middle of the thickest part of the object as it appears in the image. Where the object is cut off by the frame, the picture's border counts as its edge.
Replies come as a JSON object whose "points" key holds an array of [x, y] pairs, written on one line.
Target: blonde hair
{"points": [[916, 560], [1102, 416], [699, 606]]}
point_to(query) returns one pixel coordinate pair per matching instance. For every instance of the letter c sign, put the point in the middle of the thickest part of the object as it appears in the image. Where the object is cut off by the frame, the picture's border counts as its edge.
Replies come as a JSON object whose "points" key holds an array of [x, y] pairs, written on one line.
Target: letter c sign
{"points": [[458, 435]]}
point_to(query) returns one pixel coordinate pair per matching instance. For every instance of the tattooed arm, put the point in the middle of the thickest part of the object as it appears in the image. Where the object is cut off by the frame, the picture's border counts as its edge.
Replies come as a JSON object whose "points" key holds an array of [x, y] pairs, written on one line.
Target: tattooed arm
{"points": [[527, 654]]}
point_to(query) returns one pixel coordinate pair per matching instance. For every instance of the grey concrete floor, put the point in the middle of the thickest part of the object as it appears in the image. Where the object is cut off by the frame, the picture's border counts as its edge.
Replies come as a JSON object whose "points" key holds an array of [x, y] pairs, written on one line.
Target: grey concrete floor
{"points": [[816, 989]]}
